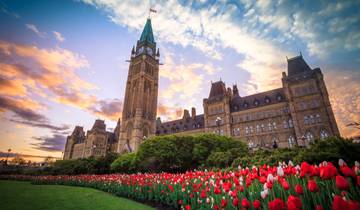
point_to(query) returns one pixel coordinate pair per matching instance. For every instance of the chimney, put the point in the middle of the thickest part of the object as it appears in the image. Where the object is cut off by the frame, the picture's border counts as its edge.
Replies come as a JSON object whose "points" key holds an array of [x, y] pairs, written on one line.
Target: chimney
{"points": [[186, 114], [229, 92], [193, 112], [235, 90]]}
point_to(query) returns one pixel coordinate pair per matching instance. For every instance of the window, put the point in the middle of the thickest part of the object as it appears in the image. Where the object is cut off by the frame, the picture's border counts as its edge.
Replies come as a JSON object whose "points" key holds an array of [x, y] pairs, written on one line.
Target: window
{"points": [[267, 100], [246, 105], [262, 127], [306, 120], [270, 126], [291, 141], [246, 130], [236, 131], [286, 125], [291, 123], [274, 125], [257, 128], [279, 97], [323, 134], [251, 129], [309, 136], [256, 102], [318, 118], [312, 119]]}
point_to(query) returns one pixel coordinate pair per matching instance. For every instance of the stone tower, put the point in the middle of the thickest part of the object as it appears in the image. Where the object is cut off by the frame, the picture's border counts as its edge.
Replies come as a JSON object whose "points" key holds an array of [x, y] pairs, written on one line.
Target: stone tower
{"points": [[309, 102], [140, 103]]}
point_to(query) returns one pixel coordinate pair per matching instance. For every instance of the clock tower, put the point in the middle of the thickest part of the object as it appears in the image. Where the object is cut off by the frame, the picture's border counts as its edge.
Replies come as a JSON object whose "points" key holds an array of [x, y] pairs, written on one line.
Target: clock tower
{"points": [[140, 102]]}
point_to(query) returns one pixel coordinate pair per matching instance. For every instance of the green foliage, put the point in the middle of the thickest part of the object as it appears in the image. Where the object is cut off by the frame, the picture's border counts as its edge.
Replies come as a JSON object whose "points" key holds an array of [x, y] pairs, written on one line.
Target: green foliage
{"points": [[180, 153], [126, 163], [89, 165], [330, 149]]}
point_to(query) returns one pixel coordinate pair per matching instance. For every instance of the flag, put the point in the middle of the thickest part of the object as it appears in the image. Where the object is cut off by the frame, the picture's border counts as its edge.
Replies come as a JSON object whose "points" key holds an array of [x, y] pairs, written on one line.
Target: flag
{"points": [[152, 10]]}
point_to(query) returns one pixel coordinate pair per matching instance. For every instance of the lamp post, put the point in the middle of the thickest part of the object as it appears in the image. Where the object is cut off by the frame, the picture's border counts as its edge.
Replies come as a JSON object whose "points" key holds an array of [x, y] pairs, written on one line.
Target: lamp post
{"points": [[218, 123], [7, 156]]}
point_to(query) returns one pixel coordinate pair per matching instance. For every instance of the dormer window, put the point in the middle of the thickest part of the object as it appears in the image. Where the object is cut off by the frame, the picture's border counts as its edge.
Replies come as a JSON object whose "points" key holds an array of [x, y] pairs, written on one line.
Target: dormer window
{"points": [[246, 104], [279, 97], [256, 102], [235, 108], [267, 100]]}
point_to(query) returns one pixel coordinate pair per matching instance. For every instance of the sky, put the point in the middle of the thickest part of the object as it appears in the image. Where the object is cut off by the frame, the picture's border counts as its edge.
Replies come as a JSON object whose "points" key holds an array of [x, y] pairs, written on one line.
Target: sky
{"points": [[63, 63]]}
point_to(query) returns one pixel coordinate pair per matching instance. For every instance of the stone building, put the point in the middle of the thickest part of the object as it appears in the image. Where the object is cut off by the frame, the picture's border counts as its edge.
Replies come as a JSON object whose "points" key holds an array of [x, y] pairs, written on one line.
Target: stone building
{"points": [[294, 114]]}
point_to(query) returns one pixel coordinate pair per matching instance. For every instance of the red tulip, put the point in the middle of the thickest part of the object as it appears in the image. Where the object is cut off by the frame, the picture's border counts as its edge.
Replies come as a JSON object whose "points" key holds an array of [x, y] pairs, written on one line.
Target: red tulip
{"points": [[339, 203], [180, 202], [354, 205], [358, 180], [216, 207], [293, 203], [276, 204], [223, 203], [171, 188], [235, 202], [217, 190], [256, 204], [328, 171], [342, 183], [245, 203], [188, 207], [319, 207], [285, 184], [347, 171], [299, 189], [203, 194], [312, 186]]}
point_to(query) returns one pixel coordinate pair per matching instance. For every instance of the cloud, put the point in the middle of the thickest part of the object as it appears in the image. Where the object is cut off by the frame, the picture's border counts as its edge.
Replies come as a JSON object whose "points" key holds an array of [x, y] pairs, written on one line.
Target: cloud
{"points": [[167, 113], [344, 93], [10, 13], [111, 109], [27, 116], [50, 144], [34, 29], [58, 36], [185, 80]]}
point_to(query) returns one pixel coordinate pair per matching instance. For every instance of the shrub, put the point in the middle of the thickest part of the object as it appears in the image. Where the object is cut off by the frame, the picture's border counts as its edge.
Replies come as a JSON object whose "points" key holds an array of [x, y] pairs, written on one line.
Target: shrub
{"points": [[125, 163]]}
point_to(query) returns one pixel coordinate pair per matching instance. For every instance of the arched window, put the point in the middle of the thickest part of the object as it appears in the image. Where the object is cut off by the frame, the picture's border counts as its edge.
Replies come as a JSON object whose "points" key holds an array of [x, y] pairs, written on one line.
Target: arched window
{"points": [[291, 141], [262, 127], [291, 123], [270, 126], [246, 130], [318, 118], [274, 142], [274, 125], [323, 134], [286, 125], [306, 120], [258, 128], [309, 136]]}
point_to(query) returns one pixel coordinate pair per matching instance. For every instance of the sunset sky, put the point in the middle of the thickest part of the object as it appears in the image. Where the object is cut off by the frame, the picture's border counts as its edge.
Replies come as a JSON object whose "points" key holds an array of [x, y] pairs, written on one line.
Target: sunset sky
{"points": [[62, 63]]}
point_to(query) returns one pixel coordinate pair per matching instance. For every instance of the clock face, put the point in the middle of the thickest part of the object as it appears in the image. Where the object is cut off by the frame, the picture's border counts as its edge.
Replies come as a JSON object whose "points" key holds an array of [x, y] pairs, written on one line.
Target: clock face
{"points": [[141, 50], [149, 51]]}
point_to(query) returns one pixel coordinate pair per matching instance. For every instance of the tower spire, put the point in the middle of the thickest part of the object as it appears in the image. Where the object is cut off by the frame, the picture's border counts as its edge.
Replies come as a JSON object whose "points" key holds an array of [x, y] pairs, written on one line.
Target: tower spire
{"points": [[147, 33]]}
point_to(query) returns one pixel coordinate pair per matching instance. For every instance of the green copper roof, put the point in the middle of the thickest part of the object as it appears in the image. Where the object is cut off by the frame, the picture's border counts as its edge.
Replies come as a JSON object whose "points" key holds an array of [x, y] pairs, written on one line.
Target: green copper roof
{"points": [[147, 34]]}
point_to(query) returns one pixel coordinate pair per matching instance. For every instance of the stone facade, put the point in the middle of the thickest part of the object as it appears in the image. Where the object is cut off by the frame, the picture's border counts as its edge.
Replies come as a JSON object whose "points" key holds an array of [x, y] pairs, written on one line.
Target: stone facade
{"points": [[293, 114]]}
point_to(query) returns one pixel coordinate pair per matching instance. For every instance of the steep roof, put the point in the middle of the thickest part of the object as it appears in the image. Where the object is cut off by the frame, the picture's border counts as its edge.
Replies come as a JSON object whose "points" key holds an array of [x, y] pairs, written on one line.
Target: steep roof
{"points": [[217, 89], [147, 34], [184, 124], [260, 99], [297, 65]]}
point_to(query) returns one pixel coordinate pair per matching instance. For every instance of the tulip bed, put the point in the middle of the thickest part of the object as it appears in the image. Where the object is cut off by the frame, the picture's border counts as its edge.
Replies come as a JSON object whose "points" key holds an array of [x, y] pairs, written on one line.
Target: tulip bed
{"points": [[286, 186]]}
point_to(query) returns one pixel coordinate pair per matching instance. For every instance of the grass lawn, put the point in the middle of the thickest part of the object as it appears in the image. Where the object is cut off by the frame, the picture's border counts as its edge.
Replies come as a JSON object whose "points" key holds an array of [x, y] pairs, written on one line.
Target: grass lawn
{"points": [[25, 196]]}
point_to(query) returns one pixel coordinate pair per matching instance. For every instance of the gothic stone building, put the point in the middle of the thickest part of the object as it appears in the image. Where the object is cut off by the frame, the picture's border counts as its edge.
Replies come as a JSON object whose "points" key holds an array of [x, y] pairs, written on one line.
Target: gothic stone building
{"points": [[293, 114]]}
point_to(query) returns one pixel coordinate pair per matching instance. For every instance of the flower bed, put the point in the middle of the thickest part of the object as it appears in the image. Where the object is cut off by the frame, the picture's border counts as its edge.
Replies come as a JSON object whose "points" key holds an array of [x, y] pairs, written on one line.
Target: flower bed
{"points": [[284, 187]]}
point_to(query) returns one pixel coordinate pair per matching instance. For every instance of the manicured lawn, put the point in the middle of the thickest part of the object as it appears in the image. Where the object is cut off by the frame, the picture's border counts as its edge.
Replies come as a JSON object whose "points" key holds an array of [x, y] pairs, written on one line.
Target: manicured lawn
{"points": [[25, 196]]}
